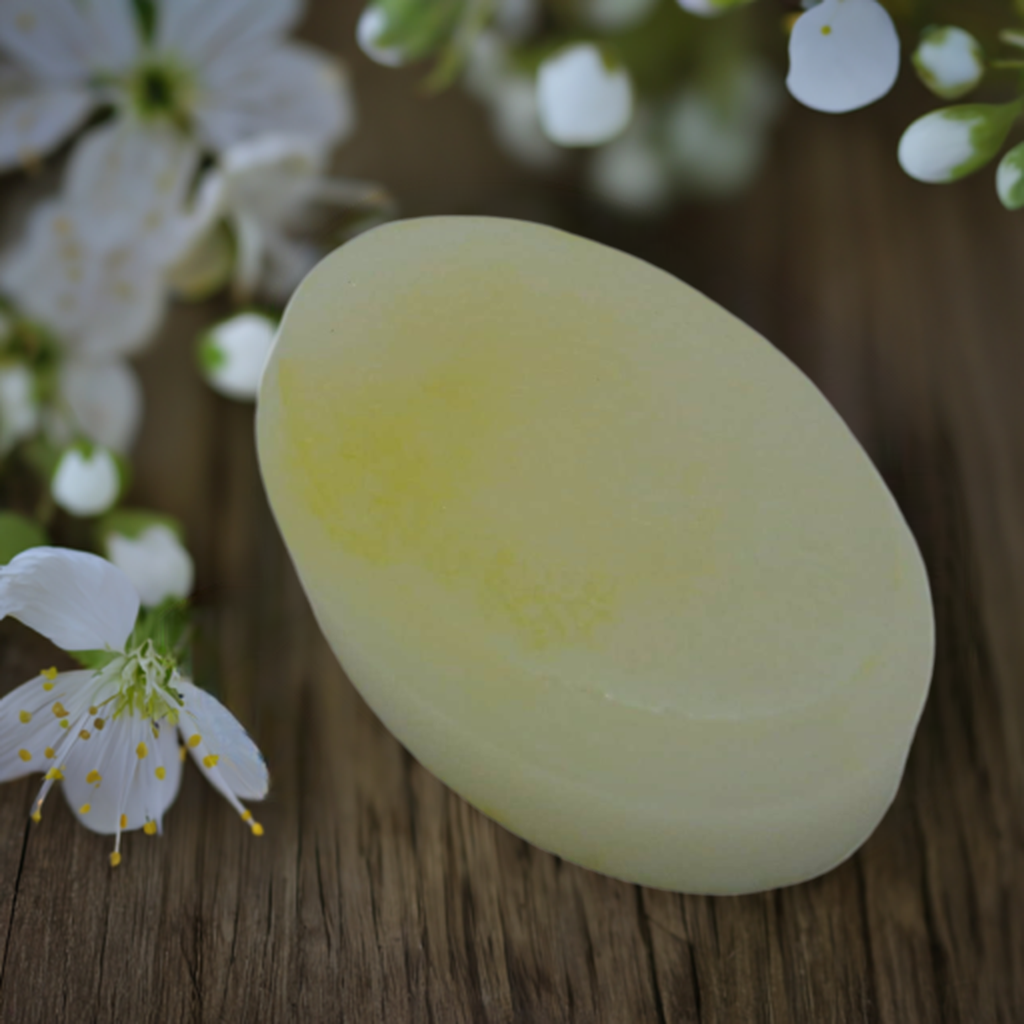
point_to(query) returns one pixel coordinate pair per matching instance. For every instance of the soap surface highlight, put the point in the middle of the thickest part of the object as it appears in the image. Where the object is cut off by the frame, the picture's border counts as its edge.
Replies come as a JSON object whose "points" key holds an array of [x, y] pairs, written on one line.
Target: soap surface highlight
{"points": [[605, 561]]}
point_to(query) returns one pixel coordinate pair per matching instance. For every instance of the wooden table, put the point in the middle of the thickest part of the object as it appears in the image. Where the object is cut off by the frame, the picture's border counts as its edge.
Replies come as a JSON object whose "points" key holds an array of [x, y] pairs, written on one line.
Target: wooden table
{"points": [[376, 894]]}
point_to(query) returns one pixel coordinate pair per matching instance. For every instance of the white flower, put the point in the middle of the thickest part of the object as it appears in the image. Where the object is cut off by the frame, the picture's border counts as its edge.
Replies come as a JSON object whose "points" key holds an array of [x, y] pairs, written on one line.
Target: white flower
{"points": [[99, 302], [99, 399], [371, 26], [616, 15], [516, 125], [951, 143], [155, 560], [711, 8], [843, 54], [264, 188], [518, 19], [222, 66], [19, 408], [632, 173], [949, 61], [233, 353], [716, 140], [582, 99], [86, 483], [115, 736], [1010, 178]]}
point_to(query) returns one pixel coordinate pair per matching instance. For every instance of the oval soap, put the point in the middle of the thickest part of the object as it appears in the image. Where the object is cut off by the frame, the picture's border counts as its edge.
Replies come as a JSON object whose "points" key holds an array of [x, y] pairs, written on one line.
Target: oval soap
{"points": [[598, 555]]}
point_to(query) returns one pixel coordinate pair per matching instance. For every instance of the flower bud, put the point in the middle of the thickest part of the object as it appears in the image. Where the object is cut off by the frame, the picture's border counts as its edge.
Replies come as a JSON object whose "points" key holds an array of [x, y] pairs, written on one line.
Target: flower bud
{"points": [[87, 480], [19, 409], [147, 548], [1010, 178], [711, 8], [950, 143], [371, 26], [949, 61], [232, 354], [583, 98]]}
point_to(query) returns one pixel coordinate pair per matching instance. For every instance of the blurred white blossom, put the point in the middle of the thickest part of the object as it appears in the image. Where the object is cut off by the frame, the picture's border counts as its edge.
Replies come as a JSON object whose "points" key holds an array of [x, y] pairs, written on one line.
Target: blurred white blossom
{"points": [[233, 353], [632, 174], [154, 559], [87, 480], [711, 8], [949, 60], [19, 407], [583, 98], [98, 399], [843, 54]]}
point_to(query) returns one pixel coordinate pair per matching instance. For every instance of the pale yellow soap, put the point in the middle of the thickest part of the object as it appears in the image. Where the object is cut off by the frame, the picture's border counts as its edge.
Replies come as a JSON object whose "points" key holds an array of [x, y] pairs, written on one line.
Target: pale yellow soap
{"points": [[596, 553]]}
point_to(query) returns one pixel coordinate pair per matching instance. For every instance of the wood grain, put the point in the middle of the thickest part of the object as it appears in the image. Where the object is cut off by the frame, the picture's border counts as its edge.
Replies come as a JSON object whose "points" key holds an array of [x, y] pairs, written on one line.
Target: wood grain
{"points": [[376, 894]]}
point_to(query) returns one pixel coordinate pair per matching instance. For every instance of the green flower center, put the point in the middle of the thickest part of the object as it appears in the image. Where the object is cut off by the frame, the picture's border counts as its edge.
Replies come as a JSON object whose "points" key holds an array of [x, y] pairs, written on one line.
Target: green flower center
{"points": [[161, 88], [146, 684]]}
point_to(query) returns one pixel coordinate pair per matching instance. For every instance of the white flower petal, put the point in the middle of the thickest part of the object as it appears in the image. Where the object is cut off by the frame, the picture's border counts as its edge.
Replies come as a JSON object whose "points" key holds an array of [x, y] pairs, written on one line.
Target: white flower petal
{"points": [[129, 785], [36, 117], [103, 398], [203, 32], [240, 767], [77, 600], [19, 409], [518, 19], [951, 143], [580, 99], [949, 61], [371, 25], [86, 485], [127, 182], [104, 303], [287, 261], [155, 561], [234, 353], [291, 89], [271, 176], [843, 54], [616, 15], [52, 39], [28, 725]]}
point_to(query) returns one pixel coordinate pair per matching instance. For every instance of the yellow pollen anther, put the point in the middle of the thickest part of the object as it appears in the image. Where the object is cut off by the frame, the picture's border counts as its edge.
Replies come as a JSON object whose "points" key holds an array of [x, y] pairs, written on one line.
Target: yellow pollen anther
{"points": [[37, 816], [85, 809], [181, 753], [246, 816], [257, 828], [24, 755], [59, 710], [149, 828], [93, 776], [124, 821], [210, 761], [54, 775], [194, 741], [161, 772], [84, 734], [26, 717], [50, 673], [826, 30], [99, 723], [142, 750], [47, 687], [93, 711], [63, 723], [50, 752], [115, 859]]}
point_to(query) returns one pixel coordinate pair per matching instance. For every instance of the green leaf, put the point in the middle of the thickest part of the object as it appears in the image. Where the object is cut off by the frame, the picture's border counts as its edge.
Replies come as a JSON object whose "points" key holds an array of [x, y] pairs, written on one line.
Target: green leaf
{"points": [[19, 533], [93, 659]]}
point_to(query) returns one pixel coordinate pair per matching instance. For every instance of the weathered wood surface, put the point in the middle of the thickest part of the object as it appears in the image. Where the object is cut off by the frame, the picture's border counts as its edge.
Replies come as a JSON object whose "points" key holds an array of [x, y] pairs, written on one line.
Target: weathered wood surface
{"points": [[376, 894]]}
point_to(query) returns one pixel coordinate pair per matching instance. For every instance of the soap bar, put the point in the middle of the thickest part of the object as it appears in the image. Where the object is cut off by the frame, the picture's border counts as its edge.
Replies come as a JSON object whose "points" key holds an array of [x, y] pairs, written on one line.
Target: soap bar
{"points": [[596, 553]]}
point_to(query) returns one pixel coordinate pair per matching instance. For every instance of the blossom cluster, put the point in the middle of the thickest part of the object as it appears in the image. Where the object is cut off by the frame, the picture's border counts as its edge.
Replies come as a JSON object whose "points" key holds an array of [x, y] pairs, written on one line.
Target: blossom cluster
{"points": [[201, 140], [669, 99]]}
